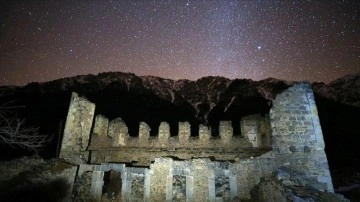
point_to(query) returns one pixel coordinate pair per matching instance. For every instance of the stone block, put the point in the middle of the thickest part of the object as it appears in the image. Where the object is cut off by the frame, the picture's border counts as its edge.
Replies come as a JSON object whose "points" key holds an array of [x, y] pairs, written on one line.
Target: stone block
{"points": [[144, 131], [204, 133], [226, 131], [118, 131], [164, 131], [101, 126], [184, 132]]}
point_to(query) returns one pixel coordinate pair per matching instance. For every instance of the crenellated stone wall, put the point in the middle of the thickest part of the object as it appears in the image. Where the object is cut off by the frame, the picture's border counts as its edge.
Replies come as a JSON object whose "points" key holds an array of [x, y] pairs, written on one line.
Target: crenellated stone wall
{"points": [[164, 139], [207, 168], [142, 150]]}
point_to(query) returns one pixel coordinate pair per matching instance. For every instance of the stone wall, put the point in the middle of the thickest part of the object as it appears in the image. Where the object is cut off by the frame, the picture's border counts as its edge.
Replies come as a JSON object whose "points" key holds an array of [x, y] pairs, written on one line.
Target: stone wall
{"points": [[192, 180], [182, 140], [77, 130], [134, 183], [221, 168], [297, 136], [142, 150]]}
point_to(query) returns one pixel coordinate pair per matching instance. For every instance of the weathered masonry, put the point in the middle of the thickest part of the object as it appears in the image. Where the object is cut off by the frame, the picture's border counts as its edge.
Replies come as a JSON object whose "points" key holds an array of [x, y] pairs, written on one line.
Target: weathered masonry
{"points": [[203, 168]]}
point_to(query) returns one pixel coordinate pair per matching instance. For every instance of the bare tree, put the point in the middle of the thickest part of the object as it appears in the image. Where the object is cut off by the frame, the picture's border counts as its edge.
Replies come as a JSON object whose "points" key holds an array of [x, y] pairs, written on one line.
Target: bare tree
{"points": [[14, 133]]}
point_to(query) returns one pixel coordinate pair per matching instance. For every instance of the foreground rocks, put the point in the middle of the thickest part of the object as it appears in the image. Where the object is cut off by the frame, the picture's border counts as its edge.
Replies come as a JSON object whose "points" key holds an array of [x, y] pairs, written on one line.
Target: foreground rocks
{"points": [[33, 179], [286, 185]]}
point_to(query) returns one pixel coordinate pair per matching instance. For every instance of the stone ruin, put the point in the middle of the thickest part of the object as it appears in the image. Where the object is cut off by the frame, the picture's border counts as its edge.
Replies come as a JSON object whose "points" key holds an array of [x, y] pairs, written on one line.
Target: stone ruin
{"points": [[201, 168]]}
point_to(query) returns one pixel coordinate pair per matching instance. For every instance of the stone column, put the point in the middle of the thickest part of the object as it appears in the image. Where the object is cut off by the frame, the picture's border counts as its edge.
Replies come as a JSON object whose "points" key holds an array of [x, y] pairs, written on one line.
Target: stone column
{"points": [[225, 131], [189, 187], [184, 132], [169, 186], [97, 183], [147, 186], [119, 132], [77, 130], [211, 185], [126, 185], [233, 186], [158, 178]]}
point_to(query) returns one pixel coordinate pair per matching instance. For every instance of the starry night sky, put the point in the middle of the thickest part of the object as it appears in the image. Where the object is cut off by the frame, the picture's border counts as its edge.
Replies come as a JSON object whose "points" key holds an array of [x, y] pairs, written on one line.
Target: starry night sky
{"points": [[42, 40]]}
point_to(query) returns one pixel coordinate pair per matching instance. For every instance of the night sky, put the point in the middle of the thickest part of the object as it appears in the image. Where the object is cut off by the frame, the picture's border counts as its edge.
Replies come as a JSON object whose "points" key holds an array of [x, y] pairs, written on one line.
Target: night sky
{"points": [[177, 39]]}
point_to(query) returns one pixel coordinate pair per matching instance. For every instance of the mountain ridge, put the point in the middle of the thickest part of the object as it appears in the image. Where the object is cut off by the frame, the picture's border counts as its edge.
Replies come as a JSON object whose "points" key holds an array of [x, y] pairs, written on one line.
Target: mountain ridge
{"points": [[204, 96], [207, 100]]}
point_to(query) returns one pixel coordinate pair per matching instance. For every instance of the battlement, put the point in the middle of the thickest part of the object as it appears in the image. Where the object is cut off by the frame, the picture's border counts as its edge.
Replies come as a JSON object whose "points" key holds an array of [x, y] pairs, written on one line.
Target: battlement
{"points": [[114, 135], [111, 137]]}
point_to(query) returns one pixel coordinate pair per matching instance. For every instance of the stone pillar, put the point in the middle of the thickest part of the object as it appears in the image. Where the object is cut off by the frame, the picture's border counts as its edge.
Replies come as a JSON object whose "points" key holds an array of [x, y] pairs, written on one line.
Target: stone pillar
{"points": [[297, 135], [144, 131], [225, 131], [211, 185], [189, 187], [101, 126], [97, 183], [119, 132], [204, 133], [184, 132], [169, 186], [147, 186], [233, 186], [126, 185], [77, 130], [164, 131], [202, 172], [158, 178]]}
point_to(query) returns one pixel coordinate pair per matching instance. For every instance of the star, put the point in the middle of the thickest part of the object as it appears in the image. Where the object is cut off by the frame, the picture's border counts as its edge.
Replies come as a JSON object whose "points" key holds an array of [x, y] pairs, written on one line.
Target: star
{"points": [[179, 39]]}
